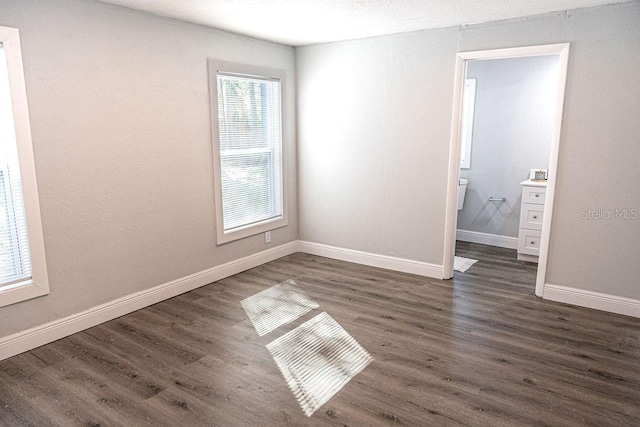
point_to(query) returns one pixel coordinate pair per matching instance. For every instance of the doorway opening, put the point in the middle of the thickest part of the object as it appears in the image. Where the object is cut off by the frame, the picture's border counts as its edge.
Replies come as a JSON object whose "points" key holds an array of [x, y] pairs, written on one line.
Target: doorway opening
{"points": [[522, 196]]}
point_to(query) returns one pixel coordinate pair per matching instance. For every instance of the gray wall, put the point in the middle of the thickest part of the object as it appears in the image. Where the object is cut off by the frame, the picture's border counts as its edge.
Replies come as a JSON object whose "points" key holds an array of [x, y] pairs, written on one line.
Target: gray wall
{"points": [[373, 138], [119, 105], [512, 131]]}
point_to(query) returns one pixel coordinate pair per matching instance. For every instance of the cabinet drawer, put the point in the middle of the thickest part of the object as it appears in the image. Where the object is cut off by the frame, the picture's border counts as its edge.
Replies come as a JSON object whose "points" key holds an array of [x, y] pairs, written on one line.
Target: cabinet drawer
{"points": [[533, 195], [531, 216], [529, 242]]}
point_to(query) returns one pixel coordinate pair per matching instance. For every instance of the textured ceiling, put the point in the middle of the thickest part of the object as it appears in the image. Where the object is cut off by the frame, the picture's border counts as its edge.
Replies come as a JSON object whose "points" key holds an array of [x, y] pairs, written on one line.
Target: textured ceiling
{"points": [[302, 22]]}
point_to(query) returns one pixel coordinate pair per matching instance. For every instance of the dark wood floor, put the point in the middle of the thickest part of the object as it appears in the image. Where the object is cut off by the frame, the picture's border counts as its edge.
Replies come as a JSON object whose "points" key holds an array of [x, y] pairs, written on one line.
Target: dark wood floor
{"points": [[477, 350]]}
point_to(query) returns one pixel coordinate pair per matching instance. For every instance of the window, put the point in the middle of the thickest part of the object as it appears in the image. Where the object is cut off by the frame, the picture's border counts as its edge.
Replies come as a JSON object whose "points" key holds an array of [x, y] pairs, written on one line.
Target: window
{"points": [[468, 111], [247, 146], [23, 273]]}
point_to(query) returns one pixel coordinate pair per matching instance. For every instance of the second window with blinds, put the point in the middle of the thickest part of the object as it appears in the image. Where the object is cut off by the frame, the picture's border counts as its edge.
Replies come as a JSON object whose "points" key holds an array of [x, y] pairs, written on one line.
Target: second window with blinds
{"points": [[247, 115]]}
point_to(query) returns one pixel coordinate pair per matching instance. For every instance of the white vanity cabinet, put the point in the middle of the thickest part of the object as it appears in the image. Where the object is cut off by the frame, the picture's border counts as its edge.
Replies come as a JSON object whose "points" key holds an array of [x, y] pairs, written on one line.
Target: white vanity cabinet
{"points": [[531, 213]]}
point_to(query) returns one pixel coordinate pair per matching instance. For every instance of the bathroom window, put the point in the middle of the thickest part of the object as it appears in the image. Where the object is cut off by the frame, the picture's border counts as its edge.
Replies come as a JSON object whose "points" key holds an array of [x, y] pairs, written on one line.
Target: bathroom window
{"points": [[23, 273], [248, 158], [466, 126]]}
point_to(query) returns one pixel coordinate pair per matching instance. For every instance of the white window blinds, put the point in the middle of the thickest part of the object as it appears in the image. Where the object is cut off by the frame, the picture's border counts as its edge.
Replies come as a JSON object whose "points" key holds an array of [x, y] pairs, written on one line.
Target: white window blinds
{"points": [[15, 261], [250, 140]]}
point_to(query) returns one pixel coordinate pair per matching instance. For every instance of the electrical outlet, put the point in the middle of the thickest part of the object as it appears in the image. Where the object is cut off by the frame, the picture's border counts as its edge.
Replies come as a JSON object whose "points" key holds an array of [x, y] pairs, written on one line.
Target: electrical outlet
{"points": [[267, 237]]}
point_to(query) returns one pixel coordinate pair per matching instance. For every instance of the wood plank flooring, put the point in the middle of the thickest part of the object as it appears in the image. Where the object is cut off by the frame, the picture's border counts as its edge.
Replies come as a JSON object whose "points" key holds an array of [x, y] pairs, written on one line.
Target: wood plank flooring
{"points": [[478, 350]]}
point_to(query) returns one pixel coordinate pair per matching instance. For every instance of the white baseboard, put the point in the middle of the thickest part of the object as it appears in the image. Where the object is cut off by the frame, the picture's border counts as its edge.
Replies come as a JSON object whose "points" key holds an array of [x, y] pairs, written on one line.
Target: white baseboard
{"points": [[373, 260], [590, 299], [528, 258], [49, 332], [487, 239]]}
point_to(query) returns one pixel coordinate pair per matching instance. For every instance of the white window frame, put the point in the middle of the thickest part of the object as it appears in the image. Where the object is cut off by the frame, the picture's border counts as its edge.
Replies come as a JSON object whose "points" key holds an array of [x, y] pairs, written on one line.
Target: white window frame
{"points": [[468, 115], [39, 283], [224, 67]]}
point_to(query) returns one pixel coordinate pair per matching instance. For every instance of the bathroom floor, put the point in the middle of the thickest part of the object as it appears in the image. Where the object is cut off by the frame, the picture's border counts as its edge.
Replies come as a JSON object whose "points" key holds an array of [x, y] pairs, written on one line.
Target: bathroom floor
{"points": [[500, 264]]}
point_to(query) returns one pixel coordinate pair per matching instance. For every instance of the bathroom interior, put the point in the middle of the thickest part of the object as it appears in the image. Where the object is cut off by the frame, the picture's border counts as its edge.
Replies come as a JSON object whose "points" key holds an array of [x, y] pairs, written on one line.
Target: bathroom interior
{"points": [[506, 131]]}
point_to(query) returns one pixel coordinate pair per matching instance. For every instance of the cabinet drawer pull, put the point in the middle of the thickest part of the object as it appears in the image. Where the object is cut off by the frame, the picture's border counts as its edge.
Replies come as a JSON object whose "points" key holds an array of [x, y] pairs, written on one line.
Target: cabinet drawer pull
{"points": [[533, 243], [535, 217]]}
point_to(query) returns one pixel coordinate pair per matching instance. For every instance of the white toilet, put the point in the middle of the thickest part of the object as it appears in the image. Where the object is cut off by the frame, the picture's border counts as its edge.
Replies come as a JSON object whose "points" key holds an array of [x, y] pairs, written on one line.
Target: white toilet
{"points": [[462, 189]]}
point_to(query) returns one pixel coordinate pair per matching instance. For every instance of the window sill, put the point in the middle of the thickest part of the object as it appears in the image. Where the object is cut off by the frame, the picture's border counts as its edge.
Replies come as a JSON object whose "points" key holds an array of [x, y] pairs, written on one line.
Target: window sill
{"points": [[21, 293], [251, 230]]}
